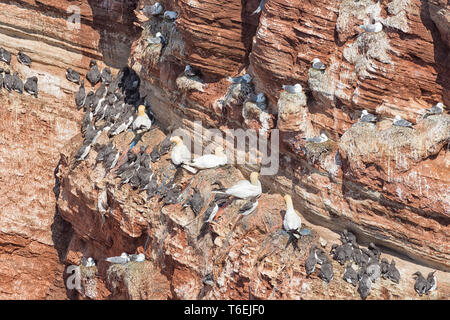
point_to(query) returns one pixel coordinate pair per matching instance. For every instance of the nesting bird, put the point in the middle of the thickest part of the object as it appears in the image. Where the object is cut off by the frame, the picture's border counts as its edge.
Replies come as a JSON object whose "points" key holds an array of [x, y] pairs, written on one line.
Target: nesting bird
{"points": [[372, 27], [180, 153], [152, 10], [399, 122], [296, 88], [157, 39], [24, 59], [245, 189], [31, 86], [170, 15], [320, 139], [242, 79], [318, 65], [17, 84], [122, 259], [438, 108], [292, 221], [142, 123], [367, 117], [249, 206], [209, 161]]}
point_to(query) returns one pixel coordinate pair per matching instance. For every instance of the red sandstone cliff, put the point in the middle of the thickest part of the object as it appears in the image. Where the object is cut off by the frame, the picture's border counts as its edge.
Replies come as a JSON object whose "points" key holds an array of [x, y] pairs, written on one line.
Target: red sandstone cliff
{"points": [[390, 186]]}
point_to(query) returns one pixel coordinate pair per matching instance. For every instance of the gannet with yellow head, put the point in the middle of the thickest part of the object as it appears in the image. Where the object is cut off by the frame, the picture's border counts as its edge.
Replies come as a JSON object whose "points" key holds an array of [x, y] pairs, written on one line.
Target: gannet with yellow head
{"points": [[180, 153], [245, 189], [142, 123], [292, 221], [209, 161]]}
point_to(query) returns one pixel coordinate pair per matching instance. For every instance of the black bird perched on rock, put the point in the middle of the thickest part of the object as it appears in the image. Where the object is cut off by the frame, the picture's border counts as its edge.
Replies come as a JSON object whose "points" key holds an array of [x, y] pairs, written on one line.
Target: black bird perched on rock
{"points": [[375, 250], [31, 86], [326, 272], [8, 81], [421, 283], [393, 272], [72, 75], [106, 76], [350, 275], [322, 257], [23, 59], [364, 287], [17, 84], [431, 282], [195, 201], [373, 270], [1, 79], [384, 265], [311, 261], [80, 98], [249, 206], [93, 74], [102, 150], [346, 236], [5, 55]]}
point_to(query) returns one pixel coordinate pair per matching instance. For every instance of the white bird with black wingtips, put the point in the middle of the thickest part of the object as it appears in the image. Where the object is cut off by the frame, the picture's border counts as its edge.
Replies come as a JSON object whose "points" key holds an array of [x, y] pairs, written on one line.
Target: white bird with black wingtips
{"points": [[292, 221]]}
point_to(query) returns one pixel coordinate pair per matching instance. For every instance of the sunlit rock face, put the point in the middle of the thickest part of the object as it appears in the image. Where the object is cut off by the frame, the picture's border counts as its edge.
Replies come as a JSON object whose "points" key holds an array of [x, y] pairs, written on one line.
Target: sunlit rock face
{"points": [[385, 183]]}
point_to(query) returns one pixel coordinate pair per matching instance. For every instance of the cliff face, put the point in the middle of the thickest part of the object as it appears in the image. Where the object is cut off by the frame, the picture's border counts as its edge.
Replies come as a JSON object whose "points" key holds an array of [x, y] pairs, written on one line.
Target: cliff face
{"points": [[388, 185]]}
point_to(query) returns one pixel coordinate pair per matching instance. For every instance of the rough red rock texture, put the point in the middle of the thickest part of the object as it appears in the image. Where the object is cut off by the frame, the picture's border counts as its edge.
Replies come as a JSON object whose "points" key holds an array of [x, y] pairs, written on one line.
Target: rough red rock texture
{"points": [[243, 257], [387, 185], [33, 237]]}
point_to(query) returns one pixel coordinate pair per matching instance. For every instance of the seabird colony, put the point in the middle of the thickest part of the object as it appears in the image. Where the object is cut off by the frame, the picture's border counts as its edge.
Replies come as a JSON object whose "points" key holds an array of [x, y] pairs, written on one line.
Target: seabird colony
{"points": [[117, 103]]}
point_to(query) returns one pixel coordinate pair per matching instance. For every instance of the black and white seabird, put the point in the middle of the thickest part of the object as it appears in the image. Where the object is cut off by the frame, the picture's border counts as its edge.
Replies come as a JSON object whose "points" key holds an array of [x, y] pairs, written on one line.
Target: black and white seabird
{"points": [[438, 108], [170, 15], [326, 272], [195, 201], [365, 284], [421, 283], [350, 275], [393, 272], [157, 39], [373, 270], [137, 257], [322, 257], [72, 75], [110, 160], [1, 79], [318, 65], [249, 206], [189, 71], [241, 79], [431, 282], [399, 122], [83, 152], [319, 139], [8, 81], [122, 259], [87, 121], [311, 261], [368, 117], [152, 10], [122, 124], [5, 55], [80, 98], [93, 74], [17, 84], [31, 86], [106, 76], [24, 59], [295, 89]]}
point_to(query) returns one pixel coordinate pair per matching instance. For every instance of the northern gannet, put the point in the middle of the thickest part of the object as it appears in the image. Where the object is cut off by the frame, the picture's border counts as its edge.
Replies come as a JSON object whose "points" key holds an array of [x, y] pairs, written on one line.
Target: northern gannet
{"points": [[180, 153], [209, 161], [245, 189], [142, 123], [292, 221]]}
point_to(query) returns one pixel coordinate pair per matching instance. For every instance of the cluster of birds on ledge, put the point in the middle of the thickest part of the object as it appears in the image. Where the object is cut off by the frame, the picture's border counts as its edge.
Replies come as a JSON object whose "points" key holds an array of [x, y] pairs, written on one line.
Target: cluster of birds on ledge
{"points": [[371, 269], [111, 106], [12, 82]]}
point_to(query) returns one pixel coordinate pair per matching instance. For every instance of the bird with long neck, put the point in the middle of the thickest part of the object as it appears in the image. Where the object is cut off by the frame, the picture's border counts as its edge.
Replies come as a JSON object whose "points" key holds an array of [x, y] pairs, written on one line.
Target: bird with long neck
{"points": [[292, 221]]}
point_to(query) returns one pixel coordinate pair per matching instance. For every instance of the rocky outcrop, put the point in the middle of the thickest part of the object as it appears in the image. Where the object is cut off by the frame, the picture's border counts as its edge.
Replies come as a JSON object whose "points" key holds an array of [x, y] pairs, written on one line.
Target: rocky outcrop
{"points": [[386, 184]]}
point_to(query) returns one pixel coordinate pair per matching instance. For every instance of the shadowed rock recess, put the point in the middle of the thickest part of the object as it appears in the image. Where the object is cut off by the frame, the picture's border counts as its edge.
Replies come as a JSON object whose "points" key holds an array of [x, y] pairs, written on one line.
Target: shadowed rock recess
{"points": [[387, 184]]}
